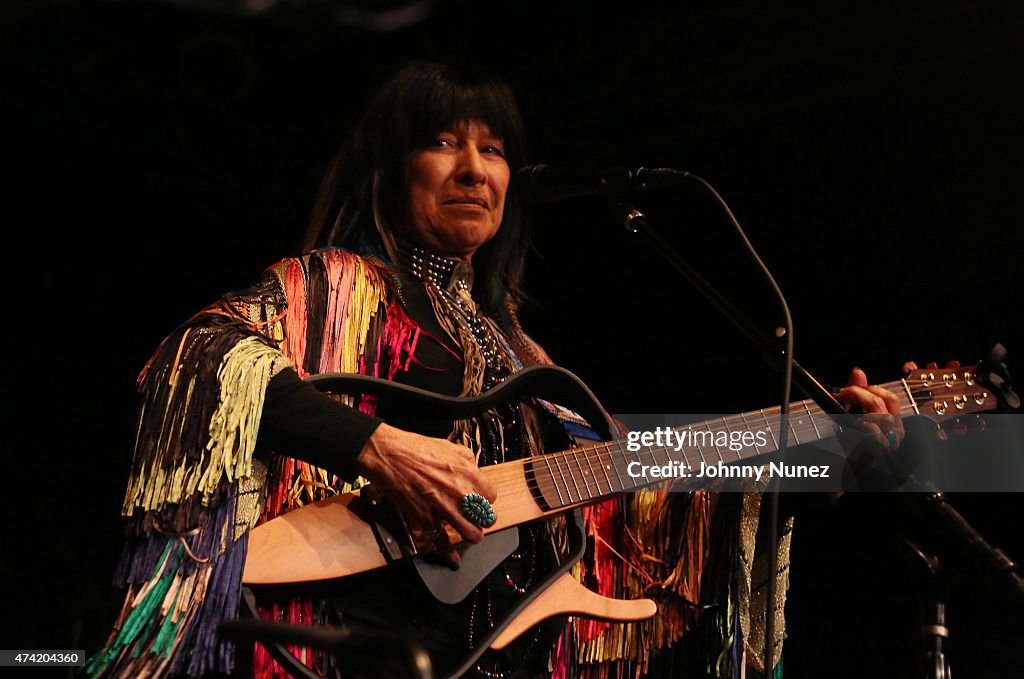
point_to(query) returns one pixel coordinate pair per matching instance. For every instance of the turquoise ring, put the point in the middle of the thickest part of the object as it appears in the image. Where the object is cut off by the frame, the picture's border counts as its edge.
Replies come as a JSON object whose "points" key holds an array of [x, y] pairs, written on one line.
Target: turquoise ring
{"points": [[891, 437], [477, 509]]}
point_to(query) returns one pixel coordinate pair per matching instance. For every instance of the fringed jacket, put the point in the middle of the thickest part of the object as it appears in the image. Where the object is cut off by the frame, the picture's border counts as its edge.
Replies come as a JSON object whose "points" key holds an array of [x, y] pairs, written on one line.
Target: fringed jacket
{"points": [[198, 483]]}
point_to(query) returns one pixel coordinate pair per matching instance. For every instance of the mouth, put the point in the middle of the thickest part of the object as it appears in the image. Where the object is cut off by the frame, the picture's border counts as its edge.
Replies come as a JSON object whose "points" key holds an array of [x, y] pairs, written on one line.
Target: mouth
{"points": [[469, 201]]}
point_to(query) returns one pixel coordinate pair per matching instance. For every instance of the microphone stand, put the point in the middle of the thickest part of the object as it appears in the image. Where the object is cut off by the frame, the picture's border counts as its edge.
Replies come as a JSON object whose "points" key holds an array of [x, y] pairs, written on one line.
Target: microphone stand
{"points": [[772, 349], [930, 503], [932, 609], [777, 352], [365, 648]]}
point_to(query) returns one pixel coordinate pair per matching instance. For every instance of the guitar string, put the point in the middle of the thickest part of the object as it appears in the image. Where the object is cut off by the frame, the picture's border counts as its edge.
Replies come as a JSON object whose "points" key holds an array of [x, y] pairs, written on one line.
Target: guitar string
{"points": [[796, 420], [565, 465], [510, 486], [613, 452]]}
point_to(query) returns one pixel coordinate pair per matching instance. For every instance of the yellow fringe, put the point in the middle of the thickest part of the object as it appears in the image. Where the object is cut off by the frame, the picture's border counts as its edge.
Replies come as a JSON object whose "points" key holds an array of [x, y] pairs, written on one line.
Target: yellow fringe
{"points": [[243, 375]]}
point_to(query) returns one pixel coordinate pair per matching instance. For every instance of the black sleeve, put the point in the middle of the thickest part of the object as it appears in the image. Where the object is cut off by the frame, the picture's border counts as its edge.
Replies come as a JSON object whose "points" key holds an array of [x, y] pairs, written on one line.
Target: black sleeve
{"points": [[300, 422]]}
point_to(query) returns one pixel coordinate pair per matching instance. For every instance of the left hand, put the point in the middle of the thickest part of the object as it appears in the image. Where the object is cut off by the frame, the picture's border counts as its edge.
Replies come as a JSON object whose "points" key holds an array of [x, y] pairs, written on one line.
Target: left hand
{"points": [[880, 406]]}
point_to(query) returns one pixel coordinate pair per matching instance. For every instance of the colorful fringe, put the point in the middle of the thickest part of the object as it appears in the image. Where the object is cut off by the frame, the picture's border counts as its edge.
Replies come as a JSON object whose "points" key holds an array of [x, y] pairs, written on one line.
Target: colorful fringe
{"points": [[203, 395], [193, 464], [658, 544]]}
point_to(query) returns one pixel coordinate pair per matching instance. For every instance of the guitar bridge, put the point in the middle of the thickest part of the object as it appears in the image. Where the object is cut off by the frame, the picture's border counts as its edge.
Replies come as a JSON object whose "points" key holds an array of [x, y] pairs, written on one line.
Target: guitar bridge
{"points": [[394, 538]]}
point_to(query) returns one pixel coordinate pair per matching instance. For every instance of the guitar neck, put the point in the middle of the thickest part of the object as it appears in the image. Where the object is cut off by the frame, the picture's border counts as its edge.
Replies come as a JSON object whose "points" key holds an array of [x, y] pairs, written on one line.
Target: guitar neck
{"points": [[595, 471]]}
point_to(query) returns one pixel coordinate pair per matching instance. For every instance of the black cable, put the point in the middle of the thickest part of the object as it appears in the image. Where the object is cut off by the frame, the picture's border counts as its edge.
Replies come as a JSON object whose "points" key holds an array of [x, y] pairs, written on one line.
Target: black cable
{"points": [[787, 382]]}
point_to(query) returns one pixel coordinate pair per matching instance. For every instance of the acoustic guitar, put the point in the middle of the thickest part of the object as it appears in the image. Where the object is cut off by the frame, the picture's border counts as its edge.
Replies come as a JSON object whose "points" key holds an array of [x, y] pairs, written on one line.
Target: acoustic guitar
{"points": [[347, 536]]}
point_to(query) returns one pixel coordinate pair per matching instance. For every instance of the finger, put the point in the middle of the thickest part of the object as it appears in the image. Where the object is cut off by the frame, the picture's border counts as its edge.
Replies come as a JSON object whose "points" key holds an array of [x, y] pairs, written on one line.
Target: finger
{"points": [[891, 428], [476, 479], [875, 432], [892, 405], [858, 378], [446, 550], [442, 546], [864, 399], [486, 487], [892, 402], [466, 528], [884, 421]]}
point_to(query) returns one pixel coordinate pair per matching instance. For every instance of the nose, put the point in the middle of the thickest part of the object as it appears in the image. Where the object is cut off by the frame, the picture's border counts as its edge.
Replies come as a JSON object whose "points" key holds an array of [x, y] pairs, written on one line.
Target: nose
{"points": [[470, 170]]}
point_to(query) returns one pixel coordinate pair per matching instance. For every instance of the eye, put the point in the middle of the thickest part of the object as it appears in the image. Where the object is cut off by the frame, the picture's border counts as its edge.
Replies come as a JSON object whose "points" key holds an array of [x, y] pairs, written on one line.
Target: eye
{"points": [[445, 141], [494, 150]]}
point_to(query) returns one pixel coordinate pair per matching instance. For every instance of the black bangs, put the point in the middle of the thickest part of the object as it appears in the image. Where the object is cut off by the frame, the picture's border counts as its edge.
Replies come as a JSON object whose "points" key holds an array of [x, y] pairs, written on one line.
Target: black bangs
{"points": [[443, 98]]}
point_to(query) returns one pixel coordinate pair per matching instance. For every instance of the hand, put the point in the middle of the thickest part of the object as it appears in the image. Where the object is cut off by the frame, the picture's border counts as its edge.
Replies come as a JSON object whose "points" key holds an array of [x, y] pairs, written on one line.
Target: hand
{"points": [[425, 478], [881, 409]]}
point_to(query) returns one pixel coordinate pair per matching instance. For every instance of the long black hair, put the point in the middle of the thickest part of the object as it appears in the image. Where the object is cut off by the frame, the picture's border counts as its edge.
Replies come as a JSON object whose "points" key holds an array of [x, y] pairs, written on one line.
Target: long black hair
{"points": [[364, 197]]}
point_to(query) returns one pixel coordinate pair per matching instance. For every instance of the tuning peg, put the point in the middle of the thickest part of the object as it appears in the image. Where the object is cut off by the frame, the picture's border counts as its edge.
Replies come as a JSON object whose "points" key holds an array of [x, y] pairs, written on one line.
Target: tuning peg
{"points": [[940, 433], [932, 365], [952, 364], [909, 367]]}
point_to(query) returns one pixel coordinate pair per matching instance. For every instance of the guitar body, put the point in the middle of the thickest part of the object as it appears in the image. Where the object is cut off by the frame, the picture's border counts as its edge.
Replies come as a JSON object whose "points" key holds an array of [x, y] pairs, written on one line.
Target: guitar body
{"points": [[395, 604], [345, 552]]}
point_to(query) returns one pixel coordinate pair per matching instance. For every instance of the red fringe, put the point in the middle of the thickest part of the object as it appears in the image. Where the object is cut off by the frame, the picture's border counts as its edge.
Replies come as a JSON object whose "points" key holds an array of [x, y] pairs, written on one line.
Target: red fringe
{"points": [[294, 346]]}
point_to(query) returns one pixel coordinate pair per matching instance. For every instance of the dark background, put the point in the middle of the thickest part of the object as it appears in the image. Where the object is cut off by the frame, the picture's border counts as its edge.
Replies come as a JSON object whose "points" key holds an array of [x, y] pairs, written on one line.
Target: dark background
{"points": [[163, 153]]}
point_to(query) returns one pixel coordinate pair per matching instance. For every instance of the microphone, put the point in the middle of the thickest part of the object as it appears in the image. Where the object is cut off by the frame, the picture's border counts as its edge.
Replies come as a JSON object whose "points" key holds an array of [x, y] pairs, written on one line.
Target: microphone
{"points": [[547, 184]]}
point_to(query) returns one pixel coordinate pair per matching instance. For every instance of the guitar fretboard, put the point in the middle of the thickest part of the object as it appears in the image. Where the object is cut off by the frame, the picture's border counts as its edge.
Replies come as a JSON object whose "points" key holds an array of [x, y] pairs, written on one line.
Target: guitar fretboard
{"points": [[588, 473]]}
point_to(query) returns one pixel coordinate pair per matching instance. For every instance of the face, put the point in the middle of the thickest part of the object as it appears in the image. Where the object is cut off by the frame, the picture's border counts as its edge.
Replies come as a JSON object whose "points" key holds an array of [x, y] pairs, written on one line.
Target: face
{"points": [[457, 188]]}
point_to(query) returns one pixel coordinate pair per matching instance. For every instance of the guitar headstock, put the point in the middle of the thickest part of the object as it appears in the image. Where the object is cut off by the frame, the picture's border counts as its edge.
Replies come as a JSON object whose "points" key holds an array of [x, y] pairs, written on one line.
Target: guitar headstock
{"points": [[953, 391]]}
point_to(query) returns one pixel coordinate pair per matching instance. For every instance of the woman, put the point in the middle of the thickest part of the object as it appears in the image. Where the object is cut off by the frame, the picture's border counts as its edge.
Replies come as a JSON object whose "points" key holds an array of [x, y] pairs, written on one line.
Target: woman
{"points": [[413, 274]]}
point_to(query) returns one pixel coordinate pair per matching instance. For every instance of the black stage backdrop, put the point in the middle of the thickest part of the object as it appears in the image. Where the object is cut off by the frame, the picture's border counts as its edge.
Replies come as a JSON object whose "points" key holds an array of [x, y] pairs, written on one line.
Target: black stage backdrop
{"points": [[160, 154]]}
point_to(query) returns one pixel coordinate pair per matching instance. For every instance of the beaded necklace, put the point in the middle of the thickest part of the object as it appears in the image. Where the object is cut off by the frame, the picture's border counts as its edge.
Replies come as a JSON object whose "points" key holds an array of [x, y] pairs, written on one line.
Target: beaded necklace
{"points": [[501, 429], [453, 282]]}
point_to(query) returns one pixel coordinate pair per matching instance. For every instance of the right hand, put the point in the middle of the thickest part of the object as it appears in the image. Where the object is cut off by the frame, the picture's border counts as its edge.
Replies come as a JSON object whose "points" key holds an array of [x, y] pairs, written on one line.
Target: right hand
{"points": [[425, 478]]}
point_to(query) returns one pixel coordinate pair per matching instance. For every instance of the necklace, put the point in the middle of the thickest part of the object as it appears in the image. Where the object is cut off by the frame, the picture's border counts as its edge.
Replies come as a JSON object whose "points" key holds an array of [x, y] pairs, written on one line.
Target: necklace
{"points": [[453, 282], [450, 284]]}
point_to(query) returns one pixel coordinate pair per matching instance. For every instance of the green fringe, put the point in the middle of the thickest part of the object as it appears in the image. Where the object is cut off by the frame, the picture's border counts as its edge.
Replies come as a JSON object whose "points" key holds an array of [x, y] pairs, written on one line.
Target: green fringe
{"points": [[139, 621]]}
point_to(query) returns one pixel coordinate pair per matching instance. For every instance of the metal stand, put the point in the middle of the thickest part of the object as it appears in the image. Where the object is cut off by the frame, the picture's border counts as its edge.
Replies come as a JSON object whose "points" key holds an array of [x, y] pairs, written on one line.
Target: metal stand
{"points": [[932, 663], [777, 351]]}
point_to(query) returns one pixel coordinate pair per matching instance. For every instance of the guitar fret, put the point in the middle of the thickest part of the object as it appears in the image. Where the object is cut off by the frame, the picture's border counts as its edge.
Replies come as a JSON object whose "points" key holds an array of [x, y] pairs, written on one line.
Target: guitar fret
{"points": [[614, 468], [728, 431], [554, 481], [775, 441], [792, 429], [810, 416], [613, 463], [654, 458], [638, 460], [717, 449], [561, 472], [597, 481], [577, 466], [604, 467], [579, 494], [746, 427], [700, 451]]}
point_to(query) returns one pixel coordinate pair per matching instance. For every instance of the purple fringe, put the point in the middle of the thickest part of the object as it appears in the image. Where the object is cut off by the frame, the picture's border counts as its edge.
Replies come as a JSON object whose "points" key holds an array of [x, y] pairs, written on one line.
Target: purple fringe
{"points": [[200, 650], [209, 652]]}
